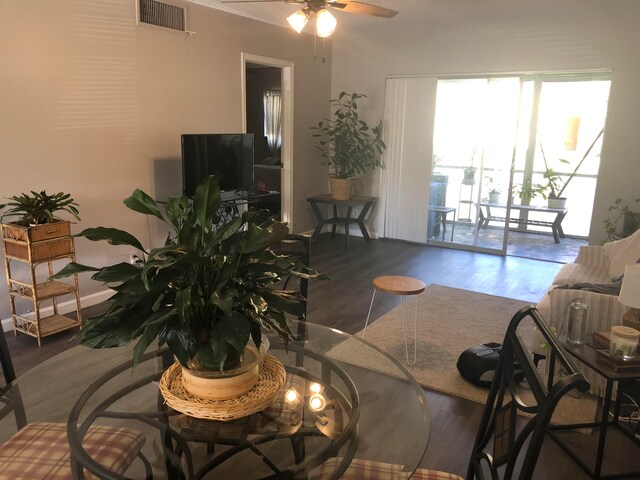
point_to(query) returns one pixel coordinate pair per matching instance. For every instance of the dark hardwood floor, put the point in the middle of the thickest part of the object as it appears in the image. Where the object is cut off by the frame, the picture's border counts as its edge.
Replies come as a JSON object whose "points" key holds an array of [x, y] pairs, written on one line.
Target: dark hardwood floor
{"points": [[343, 302]]}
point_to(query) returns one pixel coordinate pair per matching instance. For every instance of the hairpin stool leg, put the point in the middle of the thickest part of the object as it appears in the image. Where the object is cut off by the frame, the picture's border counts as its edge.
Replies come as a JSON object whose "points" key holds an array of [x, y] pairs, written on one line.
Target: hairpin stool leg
{"points": [[415, 332], [369, 314]]}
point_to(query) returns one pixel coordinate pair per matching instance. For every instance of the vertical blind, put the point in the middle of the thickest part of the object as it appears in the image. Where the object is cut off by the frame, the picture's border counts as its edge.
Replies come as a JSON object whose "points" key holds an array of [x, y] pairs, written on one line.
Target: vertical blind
{"points": [[404, 182]]}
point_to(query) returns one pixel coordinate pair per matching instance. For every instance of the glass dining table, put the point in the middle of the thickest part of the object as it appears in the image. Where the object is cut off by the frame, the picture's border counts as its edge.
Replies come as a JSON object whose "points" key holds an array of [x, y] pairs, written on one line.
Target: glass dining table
{"points": [[343, 398]]}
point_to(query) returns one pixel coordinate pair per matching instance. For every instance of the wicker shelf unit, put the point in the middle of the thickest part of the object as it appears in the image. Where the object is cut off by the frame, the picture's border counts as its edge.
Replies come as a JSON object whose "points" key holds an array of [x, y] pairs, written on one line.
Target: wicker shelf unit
{"points": [[30, 247]]}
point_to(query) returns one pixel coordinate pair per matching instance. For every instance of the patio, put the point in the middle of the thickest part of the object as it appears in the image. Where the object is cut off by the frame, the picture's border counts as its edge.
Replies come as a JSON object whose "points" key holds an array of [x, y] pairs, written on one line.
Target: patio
{"points": [[526, 244]]}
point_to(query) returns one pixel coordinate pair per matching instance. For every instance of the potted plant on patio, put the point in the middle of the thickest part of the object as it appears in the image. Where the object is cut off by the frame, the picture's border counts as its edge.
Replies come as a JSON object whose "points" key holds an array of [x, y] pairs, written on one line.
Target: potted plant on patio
{"points": [[556, 184], [528, 190], [347, 144], [208, 292]]}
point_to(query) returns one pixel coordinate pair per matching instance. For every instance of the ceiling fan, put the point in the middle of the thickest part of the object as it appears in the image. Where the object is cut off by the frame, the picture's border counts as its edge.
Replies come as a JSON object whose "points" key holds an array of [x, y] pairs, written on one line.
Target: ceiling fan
{"points": [[325, 21]]}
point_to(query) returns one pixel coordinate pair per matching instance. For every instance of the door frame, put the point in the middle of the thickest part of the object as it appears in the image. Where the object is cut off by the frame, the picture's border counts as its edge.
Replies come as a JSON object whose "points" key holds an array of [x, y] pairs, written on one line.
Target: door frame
{"points": [[286, 148]]}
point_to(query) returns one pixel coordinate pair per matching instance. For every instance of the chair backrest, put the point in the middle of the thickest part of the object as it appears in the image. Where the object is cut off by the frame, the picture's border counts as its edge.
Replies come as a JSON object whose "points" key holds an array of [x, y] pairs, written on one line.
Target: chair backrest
{"points": [[516, 449], [5, 359], [298, 246]]}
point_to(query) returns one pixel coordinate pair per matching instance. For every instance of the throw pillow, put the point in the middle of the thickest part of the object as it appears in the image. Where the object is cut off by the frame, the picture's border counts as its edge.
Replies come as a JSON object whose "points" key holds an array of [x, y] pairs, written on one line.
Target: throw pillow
{"points": [[622, 253]]}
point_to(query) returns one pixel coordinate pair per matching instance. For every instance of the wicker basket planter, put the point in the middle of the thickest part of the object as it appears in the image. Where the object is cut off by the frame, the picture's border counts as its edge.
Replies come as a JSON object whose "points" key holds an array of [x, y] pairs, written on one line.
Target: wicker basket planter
{"points": [[37, 243], [340, 188]]}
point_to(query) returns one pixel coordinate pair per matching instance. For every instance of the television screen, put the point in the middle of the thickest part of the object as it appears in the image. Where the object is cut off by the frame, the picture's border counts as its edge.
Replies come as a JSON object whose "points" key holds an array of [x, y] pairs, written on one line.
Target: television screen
{"points": [[229, 156]]}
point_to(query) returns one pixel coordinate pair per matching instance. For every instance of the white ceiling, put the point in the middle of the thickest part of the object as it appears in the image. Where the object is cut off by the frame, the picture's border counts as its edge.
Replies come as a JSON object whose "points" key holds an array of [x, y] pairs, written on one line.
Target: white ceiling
{"points": [[411, 13]]}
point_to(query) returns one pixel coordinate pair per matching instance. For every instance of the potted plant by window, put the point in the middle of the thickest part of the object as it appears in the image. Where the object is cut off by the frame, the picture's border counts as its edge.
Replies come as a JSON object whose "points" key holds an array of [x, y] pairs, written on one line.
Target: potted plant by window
{"points": [[555, 181], [630, 220], [347, 144], [207, 293], [37, 221]]}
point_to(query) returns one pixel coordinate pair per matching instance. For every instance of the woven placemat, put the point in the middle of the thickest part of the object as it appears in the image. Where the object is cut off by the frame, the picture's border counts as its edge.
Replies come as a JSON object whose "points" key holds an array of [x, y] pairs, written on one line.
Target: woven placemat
{"points": [[271, 378]]}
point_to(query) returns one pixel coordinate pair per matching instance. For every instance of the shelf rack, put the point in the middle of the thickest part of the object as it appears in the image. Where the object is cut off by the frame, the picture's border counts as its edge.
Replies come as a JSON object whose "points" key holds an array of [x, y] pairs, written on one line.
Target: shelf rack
{"points": [[33, 246]]}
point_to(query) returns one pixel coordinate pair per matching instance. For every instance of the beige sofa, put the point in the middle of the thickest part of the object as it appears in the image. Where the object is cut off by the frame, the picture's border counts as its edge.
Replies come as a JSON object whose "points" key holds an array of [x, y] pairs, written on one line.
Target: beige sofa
{"points": [[595, 265]]}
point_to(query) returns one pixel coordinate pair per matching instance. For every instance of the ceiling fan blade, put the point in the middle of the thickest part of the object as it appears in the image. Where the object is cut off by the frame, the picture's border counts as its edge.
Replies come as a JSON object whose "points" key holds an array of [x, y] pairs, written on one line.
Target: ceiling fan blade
{"points": [[262, 1], [353, 6]]}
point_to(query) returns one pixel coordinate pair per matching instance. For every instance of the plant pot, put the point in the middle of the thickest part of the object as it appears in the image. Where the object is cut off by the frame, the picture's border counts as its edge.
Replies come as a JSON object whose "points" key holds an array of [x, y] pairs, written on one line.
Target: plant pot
{"points": [[469, 176], [494, 197], [223, 385], [559, 202], [340, 188]]}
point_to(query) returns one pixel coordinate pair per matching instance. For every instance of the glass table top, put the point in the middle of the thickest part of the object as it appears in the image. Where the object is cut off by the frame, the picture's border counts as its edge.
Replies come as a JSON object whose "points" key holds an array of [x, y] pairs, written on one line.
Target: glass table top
{"points": [[342, 398]]}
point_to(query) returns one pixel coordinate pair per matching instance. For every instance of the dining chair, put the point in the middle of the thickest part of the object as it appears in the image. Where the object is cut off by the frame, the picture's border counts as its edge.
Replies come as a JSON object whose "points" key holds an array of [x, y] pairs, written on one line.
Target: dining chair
{"points": [[5, 360], [298, 246], [41, 450], [515, 444]]}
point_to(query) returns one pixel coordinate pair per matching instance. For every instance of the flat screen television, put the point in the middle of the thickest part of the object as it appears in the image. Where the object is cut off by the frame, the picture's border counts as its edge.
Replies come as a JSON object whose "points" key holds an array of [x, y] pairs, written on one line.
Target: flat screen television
{"points": [[229, 156]]}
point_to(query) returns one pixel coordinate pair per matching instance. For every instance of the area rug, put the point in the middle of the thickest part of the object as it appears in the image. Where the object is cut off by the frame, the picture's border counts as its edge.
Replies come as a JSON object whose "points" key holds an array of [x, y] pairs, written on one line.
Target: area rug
{"points": [[450, 320]]}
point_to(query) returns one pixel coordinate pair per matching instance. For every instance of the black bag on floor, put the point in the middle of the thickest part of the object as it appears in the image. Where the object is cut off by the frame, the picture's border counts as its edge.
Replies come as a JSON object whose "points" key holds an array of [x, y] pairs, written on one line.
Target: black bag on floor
{"points": [[478, 364]]}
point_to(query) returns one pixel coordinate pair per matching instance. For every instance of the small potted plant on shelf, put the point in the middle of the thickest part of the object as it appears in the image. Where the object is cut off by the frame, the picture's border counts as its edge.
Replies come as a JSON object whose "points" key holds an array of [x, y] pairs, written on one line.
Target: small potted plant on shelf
{"points": [[207, 293], [37, 221], [347, 144], [630, 220]]}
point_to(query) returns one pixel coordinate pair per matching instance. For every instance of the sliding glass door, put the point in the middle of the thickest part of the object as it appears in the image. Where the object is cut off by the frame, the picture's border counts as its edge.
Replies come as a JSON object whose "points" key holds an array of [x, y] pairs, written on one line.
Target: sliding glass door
{"points": [[475, 132], [501, 146]]}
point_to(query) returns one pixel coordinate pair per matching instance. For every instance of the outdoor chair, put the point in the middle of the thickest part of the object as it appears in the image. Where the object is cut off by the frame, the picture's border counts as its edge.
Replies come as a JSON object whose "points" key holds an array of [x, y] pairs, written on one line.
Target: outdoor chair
{"points": [[516, 445]]}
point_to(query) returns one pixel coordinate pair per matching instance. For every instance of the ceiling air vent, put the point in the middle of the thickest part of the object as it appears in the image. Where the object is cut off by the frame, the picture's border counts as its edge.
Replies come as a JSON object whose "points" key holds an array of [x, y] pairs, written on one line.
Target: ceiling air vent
{"points": [[162, 14]]}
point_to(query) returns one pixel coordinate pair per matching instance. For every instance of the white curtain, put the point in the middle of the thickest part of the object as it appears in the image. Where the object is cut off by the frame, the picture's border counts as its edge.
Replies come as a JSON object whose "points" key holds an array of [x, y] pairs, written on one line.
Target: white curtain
{"points": [[404, 182], [272, 123]]}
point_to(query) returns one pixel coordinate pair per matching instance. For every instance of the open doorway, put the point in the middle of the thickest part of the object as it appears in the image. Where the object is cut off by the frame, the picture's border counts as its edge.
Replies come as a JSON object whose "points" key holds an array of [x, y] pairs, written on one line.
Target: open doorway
{"points": [[267, 114]]}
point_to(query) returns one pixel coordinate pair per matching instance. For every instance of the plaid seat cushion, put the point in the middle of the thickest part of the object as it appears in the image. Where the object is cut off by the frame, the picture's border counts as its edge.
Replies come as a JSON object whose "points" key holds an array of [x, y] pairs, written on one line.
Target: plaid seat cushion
{"points": [[371, 470], [41, 451]]}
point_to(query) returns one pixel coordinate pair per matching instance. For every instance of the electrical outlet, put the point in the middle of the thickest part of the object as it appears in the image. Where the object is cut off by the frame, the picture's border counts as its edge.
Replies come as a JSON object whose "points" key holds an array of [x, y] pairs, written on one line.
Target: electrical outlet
{"points": [[134, 259], [355, 213]]}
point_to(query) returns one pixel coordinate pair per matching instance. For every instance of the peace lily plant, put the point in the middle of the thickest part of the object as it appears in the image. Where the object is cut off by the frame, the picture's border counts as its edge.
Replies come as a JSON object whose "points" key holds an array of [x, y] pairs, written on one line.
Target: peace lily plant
{"points": [[205, 293]]}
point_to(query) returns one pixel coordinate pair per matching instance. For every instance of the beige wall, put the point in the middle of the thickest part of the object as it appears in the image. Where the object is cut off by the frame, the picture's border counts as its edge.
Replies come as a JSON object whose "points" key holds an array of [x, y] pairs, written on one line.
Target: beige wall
{"points": [[94, 105], [512, 37]]}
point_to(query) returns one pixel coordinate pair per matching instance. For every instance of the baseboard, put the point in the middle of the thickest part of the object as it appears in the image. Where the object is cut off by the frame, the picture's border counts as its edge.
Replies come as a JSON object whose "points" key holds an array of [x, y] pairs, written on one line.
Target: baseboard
{"points": [[65, 307], [353, 231]]}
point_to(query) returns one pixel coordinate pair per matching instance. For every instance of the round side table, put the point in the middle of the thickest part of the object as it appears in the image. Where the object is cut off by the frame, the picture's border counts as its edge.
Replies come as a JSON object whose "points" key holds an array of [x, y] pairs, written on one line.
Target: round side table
{"points": [[402, 286]]}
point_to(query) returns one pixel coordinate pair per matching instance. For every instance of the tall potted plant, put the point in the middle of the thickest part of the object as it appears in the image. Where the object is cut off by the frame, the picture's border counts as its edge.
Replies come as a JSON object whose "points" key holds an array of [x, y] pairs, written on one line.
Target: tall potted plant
{"points": [[347, 144], [206, 292]]}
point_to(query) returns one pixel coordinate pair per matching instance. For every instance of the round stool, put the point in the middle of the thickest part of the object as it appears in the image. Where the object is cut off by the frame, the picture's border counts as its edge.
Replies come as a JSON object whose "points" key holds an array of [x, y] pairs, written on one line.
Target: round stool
{"points": [[403, 286]]}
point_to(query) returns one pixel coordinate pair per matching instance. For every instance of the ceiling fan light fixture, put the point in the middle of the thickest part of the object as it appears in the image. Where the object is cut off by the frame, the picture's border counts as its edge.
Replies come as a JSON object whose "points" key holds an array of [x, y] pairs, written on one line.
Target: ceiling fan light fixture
{"points": [[325, 23], [299, 19]]}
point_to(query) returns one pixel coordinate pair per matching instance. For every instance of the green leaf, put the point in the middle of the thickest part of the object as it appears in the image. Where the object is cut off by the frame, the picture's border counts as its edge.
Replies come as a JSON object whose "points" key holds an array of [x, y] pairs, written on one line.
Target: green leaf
{"points": [[224, 301], [178, 342], [235, 330], [72, 268], [142, 203], [148, 336], [113, 236], [206, 200], [119, 272]]}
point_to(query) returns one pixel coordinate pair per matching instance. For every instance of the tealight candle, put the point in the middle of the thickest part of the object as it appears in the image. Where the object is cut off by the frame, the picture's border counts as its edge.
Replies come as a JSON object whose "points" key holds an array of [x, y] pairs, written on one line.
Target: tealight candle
{"points": [[624, 342], [292, 395], [317, 402]]}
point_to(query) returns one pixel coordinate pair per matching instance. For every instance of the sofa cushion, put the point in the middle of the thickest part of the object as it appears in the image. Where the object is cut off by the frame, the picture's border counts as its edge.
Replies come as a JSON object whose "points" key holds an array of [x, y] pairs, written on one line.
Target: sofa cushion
{"points": [[622, 252], [573, 273]]}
